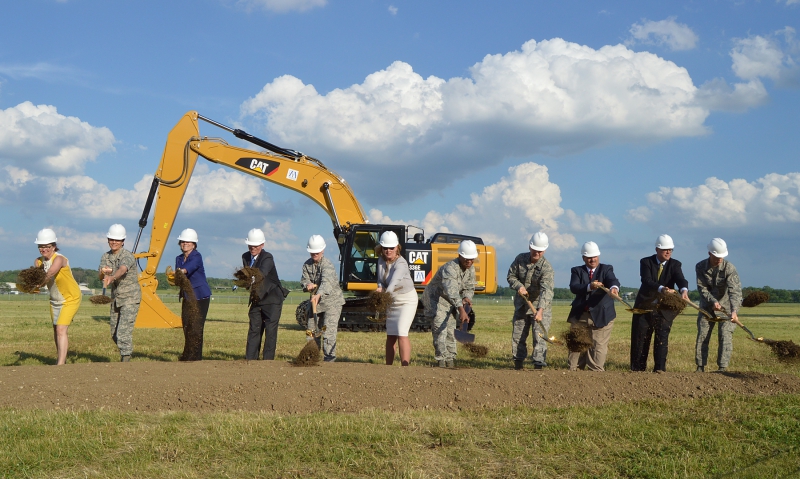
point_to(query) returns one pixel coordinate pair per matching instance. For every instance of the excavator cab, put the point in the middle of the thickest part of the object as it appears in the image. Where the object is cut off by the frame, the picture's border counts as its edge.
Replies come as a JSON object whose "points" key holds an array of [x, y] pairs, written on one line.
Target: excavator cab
{"points": [[359, 260]]}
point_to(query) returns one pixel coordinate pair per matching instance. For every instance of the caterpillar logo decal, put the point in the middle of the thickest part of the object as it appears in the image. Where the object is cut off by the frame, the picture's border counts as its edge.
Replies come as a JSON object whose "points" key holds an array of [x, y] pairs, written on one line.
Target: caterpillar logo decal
{"points": [[265, 167]]}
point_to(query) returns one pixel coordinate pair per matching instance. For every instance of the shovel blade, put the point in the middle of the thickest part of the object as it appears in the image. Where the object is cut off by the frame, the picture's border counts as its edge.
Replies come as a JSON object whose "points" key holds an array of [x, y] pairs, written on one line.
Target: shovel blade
{"points": [[463, 335]]}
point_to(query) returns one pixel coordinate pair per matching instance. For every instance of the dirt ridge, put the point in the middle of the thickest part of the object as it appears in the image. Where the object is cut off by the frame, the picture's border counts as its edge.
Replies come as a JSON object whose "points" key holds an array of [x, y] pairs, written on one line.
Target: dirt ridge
{"points": [[209, 386]]}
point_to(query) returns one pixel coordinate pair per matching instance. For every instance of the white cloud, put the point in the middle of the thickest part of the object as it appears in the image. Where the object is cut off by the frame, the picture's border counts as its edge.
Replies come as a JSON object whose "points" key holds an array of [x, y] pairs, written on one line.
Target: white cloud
{"points": [[280, 6], [718, 95], [756, 57], [40, 70], [209, 192], [590, 223], [72, 238], [676, 36], [640, 214], [551, 97], [773, 199], [392, 10], [39, 139], [507, 212]]}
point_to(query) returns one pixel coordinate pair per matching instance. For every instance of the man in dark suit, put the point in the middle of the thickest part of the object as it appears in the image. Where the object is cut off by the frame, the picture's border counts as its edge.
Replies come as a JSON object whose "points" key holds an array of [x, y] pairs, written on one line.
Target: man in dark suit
{"points": [[266, 303], [660, 274], [592, 307]]}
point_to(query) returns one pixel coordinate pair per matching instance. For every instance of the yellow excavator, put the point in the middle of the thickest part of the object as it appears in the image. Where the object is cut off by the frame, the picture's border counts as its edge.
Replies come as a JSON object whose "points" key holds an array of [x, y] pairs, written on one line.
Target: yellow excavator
{"points": [[356, 237]]}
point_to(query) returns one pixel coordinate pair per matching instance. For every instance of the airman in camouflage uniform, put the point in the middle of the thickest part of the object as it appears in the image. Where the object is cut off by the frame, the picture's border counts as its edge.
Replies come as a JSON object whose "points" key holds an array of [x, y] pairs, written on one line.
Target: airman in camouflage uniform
{"points": [[532, 275], [118, 271], [319, 275], [720, 288], [444, 297]]}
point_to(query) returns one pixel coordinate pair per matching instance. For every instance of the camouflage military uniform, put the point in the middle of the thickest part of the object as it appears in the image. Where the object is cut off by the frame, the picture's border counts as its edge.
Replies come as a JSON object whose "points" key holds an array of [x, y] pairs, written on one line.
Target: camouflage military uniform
{"points": [[716, 285], [442, 297], [538, 279], [323, 274], [126, 295]]}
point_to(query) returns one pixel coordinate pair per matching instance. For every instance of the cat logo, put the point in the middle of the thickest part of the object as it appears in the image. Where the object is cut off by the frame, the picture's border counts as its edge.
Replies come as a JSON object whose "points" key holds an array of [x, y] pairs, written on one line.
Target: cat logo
{"points": [[263, 166], [418, 257]]}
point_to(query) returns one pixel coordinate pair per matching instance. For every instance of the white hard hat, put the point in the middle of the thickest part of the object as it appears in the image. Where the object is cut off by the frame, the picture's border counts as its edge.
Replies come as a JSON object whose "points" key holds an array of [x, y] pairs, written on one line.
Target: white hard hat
{"points": [[116, 232], [467, 250], [539, 241], [389, 239], [718, 248], [46, 236], [315, 244], [188, 235], [590, 249], [255, 237], [664, 242]]}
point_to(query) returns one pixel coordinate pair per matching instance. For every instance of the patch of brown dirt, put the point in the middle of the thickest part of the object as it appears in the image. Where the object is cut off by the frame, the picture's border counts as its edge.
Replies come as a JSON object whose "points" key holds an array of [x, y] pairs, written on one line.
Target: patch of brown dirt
{"points": [[755, 298], [477, 350], [29, 280], [578, 340], [207, 386], [309, 355]]}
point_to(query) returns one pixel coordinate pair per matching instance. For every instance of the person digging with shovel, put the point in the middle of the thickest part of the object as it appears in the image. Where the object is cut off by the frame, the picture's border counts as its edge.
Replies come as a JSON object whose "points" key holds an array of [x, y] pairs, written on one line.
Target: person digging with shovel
{"points": [[318, 276], [720, 291], [661, 274], [118, 271], [452, 287], [592, 307], [532, 277]]}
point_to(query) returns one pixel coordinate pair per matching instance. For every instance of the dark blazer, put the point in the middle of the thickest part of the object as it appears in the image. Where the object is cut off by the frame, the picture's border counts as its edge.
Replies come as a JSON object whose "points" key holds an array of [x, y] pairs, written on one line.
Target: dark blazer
{"points": [[269, 291], [601, 305], [671, 276]]}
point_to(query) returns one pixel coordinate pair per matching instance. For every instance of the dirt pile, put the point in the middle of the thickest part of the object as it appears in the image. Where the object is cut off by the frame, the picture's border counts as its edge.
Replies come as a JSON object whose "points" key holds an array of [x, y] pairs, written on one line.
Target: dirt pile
{"points": [[190, 315], [100, 299], [380, 302], [671, 302], [29, 280], [210, 386], [308, 356], [477, 350], [755, 298], [578, 340], [250, 279]]}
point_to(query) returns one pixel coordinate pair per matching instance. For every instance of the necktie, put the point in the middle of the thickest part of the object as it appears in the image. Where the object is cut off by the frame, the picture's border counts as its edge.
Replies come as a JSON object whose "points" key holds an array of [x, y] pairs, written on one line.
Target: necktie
{"points": [[252, 261], [660, 269], [591, 274]]}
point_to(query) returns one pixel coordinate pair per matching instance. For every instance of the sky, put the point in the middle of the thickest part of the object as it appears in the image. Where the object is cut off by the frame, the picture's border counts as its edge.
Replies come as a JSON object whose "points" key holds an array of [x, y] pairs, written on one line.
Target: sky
{"points": [[600, 121]]}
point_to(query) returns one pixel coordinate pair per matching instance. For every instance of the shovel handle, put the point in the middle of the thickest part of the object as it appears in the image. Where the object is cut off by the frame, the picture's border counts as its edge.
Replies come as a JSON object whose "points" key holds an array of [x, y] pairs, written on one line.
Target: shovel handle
{"points": [[618, 298], [541, 324], [703, 311]]}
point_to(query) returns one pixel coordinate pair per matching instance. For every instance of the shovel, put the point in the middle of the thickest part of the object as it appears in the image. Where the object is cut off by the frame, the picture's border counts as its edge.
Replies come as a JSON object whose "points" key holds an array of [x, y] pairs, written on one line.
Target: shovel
{"points": [[551, 339], [629, 308], [739, 323], [316, 331], [462, 334]]}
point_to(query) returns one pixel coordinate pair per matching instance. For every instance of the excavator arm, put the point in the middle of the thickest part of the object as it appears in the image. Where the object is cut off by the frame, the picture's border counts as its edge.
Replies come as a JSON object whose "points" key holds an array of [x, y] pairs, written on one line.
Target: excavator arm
{"points": [[287, 168]]}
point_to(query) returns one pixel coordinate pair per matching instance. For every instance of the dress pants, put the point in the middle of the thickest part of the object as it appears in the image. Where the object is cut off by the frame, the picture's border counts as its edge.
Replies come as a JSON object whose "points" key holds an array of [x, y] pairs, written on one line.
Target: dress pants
{"points": [[264, 320], [595, 358], [642, 330]]}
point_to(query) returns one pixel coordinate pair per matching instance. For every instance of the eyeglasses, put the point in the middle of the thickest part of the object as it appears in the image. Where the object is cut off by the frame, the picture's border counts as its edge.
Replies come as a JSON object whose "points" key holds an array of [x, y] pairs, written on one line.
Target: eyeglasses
{"points": [[115, 241], [46, 246]]}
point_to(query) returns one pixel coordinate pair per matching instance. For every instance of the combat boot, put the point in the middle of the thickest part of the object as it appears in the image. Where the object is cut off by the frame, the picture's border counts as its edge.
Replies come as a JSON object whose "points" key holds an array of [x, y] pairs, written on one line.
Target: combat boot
{"points": [[537, 366], [442, 363], [700, 369], [125, 359], [450, 363], [722, 370], [518, 364]]}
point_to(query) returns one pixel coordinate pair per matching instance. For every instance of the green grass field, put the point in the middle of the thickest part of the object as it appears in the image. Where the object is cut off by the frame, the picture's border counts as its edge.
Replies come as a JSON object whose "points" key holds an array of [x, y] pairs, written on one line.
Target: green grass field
{"points": [[720, 436]]}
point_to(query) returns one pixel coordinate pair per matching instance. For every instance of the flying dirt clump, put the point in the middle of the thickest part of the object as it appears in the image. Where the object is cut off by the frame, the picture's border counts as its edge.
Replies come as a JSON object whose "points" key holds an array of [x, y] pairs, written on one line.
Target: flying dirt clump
{"points": [[248, 278], [190, 314], [755, 298], [379, 302], [784, 350], [477, 350], [100, 299], [308, 356], [29, 280], [671, 302], [578, 340]]}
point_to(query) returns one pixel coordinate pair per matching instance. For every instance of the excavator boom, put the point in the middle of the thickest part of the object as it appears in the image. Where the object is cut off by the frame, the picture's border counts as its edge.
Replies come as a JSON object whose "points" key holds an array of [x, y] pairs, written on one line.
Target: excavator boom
{"points": [[287, 168]]}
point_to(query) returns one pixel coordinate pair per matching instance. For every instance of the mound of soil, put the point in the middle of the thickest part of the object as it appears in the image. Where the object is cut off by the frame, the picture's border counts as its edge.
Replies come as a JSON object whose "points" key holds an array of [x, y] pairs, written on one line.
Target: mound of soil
{"points": [[100, 299], [671, 302], [784, 350], [578, 340], [755, 298], [477, 350], [208, 386], [190, 316], [308, 356], [29, 280]]}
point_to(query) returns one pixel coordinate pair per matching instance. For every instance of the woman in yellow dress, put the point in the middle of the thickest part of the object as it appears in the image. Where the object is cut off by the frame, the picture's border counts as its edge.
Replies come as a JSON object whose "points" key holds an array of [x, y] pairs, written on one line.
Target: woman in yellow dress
{"points": [[65, 294]]}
